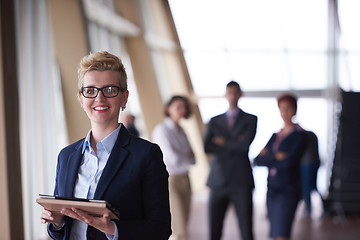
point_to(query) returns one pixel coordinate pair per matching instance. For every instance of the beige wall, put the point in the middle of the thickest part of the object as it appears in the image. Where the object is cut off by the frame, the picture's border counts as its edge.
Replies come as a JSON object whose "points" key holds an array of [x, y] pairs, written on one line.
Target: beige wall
{"points": [[144, 75], [69, 35]]}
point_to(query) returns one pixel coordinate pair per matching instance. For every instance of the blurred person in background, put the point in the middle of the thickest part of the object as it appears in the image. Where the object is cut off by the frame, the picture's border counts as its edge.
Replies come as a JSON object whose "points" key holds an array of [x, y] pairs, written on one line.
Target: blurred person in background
{"points": [[228, 137], [129, 122], [309, 167], [282, 155], [178, 157]]}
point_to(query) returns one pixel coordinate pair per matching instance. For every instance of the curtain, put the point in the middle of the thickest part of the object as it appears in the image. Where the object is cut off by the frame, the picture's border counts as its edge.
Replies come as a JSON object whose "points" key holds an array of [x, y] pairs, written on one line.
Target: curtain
{"points": [[42, 117]]}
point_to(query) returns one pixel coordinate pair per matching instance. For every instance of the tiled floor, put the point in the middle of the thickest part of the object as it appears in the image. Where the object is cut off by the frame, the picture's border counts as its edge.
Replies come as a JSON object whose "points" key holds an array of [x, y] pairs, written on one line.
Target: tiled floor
{"points": [[317, 227]]}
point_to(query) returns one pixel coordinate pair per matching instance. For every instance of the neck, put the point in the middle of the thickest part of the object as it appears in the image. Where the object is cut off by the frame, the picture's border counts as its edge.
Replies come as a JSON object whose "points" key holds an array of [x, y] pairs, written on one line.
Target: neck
{"points": [[232, 108], [288, 126], [176, 121], [99, 132]]}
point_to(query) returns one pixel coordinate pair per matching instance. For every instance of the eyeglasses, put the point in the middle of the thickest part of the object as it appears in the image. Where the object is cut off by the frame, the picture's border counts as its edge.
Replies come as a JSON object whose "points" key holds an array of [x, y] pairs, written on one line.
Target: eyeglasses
{"points": [[108, 91]]}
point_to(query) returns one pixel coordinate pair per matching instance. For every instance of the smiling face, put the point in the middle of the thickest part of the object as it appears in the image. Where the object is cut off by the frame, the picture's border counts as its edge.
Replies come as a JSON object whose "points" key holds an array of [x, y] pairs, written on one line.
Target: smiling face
{"points": [[103, 111]]}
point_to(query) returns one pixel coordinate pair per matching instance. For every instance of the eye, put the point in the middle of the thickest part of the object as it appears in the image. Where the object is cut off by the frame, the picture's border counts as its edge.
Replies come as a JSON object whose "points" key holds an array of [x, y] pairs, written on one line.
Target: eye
{"points": [[110, 90], [89, 91]]}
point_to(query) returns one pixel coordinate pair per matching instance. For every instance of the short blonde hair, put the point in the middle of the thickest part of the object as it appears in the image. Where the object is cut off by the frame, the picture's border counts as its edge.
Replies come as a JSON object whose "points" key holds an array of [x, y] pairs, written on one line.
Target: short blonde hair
{"points": [[102, 61]]}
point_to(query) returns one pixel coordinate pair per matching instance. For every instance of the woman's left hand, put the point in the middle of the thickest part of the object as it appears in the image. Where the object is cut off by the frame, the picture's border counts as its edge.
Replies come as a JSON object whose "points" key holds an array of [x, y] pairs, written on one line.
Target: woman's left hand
{"points": [[280, 156], [104, 223]]}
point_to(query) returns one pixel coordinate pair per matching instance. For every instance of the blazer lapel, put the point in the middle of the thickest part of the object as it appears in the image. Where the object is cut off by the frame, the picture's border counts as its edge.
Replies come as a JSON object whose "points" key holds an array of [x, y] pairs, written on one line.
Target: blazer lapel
{"points": [[223, 122], [116, 159], [239, 120], [74, 162]]}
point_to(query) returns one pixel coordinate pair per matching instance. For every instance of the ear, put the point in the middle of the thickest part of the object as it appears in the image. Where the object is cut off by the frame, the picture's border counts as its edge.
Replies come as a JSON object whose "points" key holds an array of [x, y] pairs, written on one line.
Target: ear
{"points": [[80, 99], [125, 99]]}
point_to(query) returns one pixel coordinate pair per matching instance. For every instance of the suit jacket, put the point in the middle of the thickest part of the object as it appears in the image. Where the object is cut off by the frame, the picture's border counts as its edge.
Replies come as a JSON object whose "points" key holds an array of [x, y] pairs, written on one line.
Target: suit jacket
{"points": [[284, 175], [230, 165], [311, 154], [134, 181]]}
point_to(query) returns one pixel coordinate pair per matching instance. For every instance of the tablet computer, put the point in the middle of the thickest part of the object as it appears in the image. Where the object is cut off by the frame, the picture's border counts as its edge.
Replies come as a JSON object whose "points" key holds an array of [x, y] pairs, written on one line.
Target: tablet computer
{"points": [[91, 206]]}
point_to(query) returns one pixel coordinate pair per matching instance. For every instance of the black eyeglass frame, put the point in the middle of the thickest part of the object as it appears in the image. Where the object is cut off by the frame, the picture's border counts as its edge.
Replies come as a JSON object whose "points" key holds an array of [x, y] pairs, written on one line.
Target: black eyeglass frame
{"points": [[100, 90]]}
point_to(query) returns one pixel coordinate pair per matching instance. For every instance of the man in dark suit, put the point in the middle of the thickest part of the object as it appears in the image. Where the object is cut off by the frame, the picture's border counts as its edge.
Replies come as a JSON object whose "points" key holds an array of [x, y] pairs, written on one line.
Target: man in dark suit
{"points": [[227, 138]]}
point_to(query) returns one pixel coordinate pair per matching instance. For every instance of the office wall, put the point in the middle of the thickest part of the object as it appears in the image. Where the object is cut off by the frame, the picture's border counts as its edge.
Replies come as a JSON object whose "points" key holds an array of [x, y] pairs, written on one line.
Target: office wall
{"points": [[70, 43]]}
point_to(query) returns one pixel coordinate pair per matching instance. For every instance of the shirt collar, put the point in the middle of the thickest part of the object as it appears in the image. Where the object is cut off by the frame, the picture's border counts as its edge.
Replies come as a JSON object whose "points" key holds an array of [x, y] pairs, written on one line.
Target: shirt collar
{"points": [[233, 113], [170, 123], [108, 142]]}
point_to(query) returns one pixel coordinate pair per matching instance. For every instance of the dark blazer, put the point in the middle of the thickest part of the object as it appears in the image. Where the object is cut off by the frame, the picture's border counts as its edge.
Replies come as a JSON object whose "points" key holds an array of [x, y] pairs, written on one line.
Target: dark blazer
{"points": [[286, 177], [134, 182], [311, 154], [230, 165]]}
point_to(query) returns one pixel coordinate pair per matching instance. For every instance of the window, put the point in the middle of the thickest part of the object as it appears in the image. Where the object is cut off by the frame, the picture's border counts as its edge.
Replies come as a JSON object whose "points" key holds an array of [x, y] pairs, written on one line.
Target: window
{"points": [[270, 47]]}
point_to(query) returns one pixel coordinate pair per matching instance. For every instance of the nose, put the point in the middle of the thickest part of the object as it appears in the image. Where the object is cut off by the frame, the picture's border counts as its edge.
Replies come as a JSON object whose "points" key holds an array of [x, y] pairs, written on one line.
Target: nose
{"points": [[100, 96]]}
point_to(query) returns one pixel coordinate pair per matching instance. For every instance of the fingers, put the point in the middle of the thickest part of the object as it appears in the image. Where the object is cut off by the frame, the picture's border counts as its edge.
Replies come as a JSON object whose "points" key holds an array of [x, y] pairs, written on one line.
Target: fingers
{"points": [[46, 216], [102, 223], [70, 213], [106, 216], [78, 215]]}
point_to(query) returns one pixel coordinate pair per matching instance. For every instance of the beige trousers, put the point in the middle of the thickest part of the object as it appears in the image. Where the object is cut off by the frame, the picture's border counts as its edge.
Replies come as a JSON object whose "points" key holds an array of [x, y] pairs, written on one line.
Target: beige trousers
{"points": [[180, 197]]}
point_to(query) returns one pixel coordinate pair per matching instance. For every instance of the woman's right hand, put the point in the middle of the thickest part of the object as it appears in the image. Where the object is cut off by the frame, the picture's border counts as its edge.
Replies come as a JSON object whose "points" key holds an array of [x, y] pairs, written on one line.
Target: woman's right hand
{"points": [[52, 217]]}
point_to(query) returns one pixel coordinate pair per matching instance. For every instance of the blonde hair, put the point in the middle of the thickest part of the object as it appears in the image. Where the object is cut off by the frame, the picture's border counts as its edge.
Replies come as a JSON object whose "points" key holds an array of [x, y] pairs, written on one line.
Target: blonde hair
{"points": [[102, 61]]}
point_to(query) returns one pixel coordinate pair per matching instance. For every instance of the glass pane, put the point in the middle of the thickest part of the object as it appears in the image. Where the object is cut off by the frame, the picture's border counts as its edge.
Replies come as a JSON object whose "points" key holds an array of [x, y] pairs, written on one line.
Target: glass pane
{"points": [[245, 25], [259, 71], [257, 24], [307, 71], [304, 24], [349, 18], [350, 45], [209, 72], [264, 48], [196, 23], [349, 72], [210, 107]]}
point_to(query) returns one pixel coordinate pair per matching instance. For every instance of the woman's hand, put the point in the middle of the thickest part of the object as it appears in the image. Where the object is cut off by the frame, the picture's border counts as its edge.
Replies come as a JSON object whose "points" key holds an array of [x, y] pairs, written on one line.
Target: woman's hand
{"points": [[280, 156], [52, 217], [219, 140], [104, 223], [264, 151]]}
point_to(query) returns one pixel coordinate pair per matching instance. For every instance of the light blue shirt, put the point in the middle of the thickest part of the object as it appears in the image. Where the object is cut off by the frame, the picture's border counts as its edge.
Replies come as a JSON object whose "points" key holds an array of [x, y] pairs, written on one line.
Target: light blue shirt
{"points": [[91, 168]]}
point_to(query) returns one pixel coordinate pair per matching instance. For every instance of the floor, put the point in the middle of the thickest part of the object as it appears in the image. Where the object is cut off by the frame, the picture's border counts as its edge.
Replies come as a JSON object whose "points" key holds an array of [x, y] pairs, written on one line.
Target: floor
{"points": [[316, 227]]}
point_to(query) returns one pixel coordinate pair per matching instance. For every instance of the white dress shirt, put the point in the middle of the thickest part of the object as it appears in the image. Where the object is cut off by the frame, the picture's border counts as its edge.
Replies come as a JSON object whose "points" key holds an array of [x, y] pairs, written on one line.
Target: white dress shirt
{"points": [[174, 145]]}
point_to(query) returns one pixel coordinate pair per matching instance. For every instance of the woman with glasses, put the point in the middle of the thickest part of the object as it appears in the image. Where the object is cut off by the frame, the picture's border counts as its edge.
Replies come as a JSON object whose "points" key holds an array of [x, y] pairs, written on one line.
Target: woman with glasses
{"points": [[110, 164], [282, 155]]}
